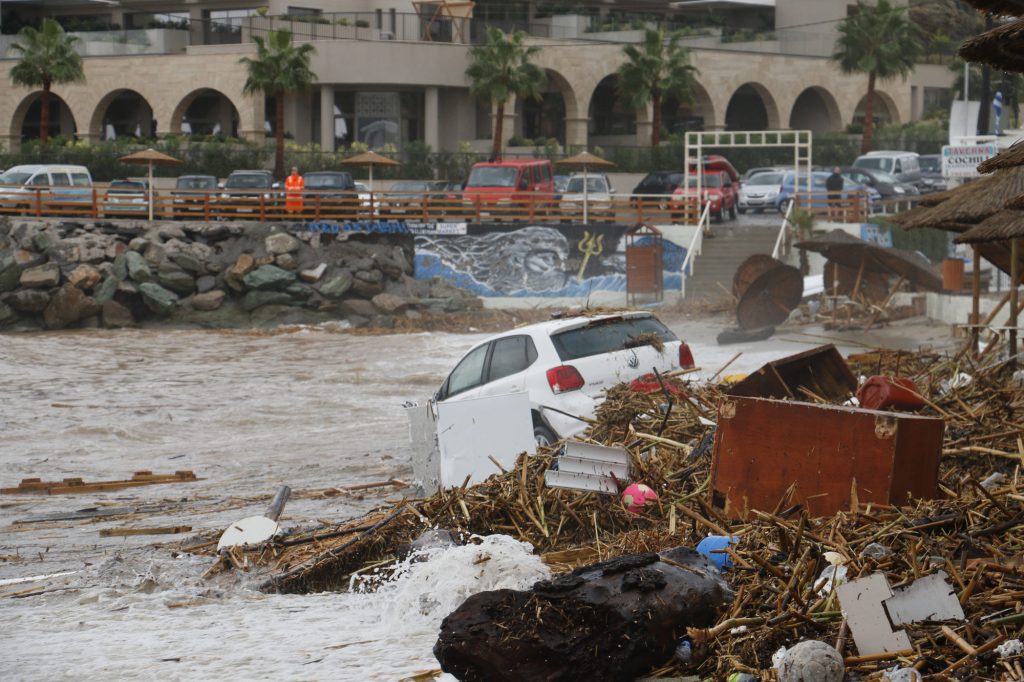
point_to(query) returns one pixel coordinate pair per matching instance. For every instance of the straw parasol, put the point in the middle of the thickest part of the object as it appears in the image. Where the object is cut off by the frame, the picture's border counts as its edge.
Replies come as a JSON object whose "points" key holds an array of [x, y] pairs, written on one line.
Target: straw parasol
{"points": [[844, 249], [1002, 47], [1002, 226], [1008, 158], [968, 204], [1011, 7], [583, 160], [370, 159], [151, 157]]}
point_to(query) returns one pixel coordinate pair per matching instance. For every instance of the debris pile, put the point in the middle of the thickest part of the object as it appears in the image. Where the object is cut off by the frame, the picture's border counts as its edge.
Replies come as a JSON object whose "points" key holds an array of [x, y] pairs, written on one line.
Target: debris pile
{"points": [[788, 568]]}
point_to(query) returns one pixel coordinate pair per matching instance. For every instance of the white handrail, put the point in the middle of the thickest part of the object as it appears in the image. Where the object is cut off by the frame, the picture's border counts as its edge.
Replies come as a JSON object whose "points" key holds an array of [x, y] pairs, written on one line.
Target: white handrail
{"points": [[696, 244], [777, 250]]}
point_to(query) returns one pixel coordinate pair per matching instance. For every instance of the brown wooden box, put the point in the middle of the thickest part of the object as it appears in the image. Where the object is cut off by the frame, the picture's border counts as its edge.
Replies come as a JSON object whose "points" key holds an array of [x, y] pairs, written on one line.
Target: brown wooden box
{"points": [[821, 370], [763, 446]]}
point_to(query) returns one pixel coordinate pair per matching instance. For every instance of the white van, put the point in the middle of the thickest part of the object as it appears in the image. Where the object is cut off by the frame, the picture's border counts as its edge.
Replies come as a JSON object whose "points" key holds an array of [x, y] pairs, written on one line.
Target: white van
{"points": [[57, 182], [904, 166]]}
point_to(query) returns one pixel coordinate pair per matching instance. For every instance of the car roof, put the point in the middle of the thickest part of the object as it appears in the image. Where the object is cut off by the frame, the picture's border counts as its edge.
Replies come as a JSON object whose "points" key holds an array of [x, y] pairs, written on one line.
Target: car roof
{"points": [[328, 173], [890, 152], [251, 172], [36, 167], [511, 163], [562, 324], [181, 177]]}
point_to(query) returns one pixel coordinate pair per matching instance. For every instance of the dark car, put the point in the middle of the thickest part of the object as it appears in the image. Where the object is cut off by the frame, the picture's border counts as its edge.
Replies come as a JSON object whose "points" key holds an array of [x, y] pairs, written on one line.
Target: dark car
{"points": [[409, 195], [330, 192], [931, 173], [887, 185], [192, 193], [125, 197], [658, 182], [241, 191]]}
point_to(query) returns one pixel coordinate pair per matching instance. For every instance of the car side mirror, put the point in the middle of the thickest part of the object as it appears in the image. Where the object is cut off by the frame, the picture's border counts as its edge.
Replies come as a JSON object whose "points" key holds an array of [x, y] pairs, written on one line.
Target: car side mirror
{"points": [[220, 185], [276, 185], [611, 191]]}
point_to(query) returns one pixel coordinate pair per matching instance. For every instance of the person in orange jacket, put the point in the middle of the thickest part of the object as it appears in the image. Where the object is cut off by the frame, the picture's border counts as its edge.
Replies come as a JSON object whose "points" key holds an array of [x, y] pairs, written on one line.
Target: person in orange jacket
{"points": [[293, 186]]}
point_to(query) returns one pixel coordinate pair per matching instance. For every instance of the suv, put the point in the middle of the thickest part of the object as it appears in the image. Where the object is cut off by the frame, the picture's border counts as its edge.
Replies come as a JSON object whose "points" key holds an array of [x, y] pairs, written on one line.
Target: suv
{"points": [[566, 365], [717, 189], [504, 183], [903, 166], [192, 193], [246, 186]]}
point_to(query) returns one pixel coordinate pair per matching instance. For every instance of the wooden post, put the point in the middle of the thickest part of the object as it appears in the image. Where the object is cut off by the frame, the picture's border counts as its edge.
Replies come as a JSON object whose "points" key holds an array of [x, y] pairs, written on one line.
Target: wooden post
{"points": [[975, 302], [860, 274], [1014, 283]]}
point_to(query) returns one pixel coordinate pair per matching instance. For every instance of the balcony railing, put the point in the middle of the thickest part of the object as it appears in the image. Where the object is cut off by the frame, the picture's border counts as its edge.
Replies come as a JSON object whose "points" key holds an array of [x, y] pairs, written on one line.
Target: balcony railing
{"points": [[116, 43]]}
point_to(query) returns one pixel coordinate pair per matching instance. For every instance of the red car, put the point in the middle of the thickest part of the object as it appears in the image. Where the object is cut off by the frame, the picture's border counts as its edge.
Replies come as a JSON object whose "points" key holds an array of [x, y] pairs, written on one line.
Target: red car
{"points": [[718, 189]]}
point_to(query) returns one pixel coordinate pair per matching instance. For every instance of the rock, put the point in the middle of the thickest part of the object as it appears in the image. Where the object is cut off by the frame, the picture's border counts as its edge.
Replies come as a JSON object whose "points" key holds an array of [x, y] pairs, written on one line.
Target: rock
{"points": [[28, 259], [358, 321], [174, 278], [366, 289], [413, 315], [287, 261], [68, 305], [206, 283], [121, 266], [41, 276], [382, 322], [10, 274], [105, 291], [255, 299], [314, 274], [610, 621], [155, 254], [138, 244], [280, 242], [337, 286], [188, 262], [263, 260], [43, 240], [357, 306], [811, 661], [243, 265], [371, 276], [85, 277], [210, 300], [268, 278], [138, 269], [7, 315], [159, 300], [29, 300], [114, 315], [389, 304], [299, 290]]}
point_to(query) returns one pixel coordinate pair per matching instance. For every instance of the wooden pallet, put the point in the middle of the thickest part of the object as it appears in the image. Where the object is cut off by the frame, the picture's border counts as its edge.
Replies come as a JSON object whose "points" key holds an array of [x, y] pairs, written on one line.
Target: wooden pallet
{"points": [[37, 486]]}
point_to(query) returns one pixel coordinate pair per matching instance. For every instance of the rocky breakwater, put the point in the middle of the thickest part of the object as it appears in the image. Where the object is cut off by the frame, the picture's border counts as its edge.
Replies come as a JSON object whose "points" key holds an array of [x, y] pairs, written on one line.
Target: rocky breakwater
{"points": [[62, 274]]}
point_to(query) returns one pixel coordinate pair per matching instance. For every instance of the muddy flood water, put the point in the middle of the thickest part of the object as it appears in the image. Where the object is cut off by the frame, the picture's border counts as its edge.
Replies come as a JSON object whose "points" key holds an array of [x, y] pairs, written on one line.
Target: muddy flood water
{"points": [[311, 407]]}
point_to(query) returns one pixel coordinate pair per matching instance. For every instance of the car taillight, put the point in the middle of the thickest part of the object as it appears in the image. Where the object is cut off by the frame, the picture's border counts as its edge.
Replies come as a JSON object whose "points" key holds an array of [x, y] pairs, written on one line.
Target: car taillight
{"points": [[685, 357], [564, 378]]}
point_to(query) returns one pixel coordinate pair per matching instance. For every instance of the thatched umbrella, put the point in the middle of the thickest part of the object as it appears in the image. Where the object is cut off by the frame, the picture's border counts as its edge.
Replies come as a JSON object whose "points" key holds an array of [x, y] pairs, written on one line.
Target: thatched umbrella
{"points": [[1010, 7], [847, 250], [1008, 158], [151, 157], [1002, 47], [968, 204], [370, 159], [582, 160]]}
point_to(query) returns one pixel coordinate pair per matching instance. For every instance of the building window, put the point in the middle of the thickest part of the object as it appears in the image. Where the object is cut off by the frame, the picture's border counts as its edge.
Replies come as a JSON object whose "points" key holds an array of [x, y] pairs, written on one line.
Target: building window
{"points": [[144, 20], [303, 12], [224, 27], [377, 119]]}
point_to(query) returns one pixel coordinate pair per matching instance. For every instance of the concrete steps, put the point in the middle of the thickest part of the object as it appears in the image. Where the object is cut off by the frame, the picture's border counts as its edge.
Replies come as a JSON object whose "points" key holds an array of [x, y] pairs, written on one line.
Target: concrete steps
{"points": [[724, 249]]}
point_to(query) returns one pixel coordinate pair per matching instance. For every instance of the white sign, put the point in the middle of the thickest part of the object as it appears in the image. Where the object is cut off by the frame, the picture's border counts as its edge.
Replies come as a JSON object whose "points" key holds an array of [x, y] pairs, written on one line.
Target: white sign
{"points": [[961, 161]]}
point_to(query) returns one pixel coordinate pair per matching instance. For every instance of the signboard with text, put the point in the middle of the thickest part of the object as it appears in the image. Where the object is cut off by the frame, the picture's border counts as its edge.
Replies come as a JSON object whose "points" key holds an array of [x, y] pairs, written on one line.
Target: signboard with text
{"points": [[961, 161]]}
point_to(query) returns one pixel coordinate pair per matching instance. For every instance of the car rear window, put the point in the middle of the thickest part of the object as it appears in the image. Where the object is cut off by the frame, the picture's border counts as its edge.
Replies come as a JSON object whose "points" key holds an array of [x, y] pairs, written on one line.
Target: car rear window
{"points": [[882, 163], [492, 176], [606, 336], [248, 181]]}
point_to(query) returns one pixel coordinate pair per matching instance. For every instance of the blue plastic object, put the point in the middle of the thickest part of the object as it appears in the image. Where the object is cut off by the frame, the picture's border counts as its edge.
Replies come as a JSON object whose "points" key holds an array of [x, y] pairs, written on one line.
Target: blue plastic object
{"points": [[712, 547]]}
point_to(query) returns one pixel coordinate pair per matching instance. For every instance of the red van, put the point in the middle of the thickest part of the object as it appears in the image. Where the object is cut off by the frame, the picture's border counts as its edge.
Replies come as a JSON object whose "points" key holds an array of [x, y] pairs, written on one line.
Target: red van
{"points": [[504, 182]]}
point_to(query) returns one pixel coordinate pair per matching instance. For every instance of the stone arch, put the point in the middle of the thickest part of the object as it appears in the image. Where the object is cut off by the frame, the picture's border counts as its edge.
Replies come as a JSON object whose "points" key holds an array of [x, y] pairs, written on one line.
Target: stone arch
{"points": [[815, 109], [696, 114], [25, 120], [548, 117], [122, 113], [205, 111], [610, 116], [885, 112], [751, 107]]}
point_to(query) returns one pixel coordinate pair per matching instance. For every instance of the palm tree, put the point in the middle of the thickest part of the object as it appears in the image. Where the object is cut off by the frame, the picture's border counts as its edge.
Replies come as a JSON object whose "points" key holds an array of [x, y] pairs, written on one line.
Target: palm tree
{"points": [[47, 56], [880, 41], [501, 68], [655, 69], [279, 68]]}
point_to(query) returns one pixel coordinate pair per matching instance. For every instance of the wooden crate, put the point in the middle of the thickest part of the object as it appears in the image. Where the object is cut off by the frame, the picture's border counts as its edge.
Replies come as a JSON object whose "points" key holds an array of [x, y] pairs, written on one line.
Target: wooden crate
{"points": [[762, 447], [821, 370]]}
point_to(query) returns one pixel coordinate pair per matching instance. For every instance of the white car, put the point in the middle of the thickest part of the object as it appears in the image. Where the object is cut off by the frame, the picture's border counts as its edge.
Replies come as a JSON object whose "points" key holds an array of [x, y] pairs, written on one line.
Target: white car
{"points": [[598, 196], [565, 366], [760, 191]]}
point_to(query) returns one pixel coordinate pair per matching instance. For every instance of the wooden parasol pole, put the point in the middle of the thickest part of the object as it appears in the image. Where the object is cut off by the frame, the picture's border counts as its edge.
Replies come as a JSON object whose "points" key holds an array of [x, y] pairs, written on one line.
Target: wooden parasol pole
{"points": [[975, 302], [1015, 283]]}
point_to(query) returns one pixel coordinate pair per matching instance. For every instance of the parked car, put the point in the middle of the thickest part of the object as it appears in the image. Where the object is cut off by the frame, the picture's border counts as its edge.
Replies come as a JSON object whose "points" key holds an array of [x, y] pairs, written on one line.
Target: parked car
{"points": [[192, 192], [819, 195], [55, 183], [932, 179], [657, 183], [364, 195], [598, 195], [759, 191], [560, 182], [330, 192], [566, 364], [125, 197], [716, 188], [406, 196], [887, 185], [757, 170], [242, 190], [903, 166], [504, 183]]}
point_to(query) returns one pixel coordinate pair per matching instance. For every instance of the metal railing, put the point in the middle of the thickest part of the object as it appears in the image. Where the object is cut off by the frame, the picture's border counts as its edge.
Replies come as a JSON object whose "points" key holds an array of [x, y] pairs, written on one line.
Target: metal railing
{"points": [[112, 43], [696, 245], [848, 207], [340, 206]]}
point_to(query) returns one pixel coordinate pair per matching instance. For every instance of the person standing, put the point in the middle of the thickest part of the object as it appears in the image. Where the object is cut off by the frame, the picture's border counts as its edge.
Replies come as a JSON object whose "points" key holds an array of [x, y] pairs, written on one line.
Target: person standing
{"points": [[293, 186], [834, 186]]}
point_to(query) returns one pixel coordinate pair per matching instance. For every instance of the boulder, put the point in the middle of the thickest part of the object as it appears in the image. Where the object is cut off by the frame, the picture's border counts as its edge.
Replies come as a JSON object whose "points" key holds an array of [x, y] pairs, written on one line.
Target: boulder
{"points": [[357, 306], [106, 290], [371, 276], [174, 278], [243, 265], [337, 286], [366, 289], [159, 300], [41, 276], [139, 244], [206, 283], [610, 621], [7, 315], [286, 261], [10, 274], [187, 261], [68, 305], [155, 254], [120, 266], [299, 290], [255, 299], [85, 277], [389, 304], [44, 240], [280, 242], [138, 268], [29, 259], [29, 300], [268, 278], [313, 274], [114, 315], [210, 300], [382, 322]]}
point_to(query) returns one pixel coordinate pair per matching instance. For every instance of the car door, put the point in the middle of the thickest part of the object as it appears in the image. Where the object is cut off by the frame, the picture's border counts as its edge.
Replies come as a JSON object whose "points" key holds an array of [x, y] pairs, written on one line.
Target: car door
{"points": [[467, 377], [510, 356]]}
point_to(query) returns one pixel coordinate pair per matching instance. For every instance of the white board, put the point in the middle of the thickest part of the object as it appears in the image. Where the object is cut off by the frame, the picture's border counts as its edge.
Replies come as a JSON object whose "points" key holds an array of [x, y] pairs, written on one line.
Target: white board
{"points": [[470, 430]]}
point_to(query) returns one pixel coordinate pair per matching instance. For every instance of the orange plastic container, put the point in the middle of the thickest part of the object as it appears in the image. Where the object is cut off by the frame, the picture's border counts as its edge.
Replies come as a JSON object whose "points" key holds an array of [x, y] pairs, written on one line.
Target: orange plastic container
{"points": [[953, 274], [879, 393]]}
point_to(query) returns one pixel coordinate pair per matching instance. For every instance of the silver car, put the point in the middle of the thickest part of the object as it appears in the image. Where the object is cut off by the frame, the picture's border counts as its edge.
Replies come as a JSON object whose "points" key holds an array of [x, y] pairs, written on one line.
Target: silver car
{"points": [[760, 191]]}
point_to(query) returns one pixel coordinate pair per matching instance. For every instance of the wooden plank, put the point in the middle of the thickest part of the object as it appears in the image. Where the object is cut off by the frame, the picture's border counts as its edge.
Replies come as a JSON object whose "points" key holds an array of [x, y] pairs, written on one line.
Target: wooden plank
{"points": [[158, 530], [77, 485]]}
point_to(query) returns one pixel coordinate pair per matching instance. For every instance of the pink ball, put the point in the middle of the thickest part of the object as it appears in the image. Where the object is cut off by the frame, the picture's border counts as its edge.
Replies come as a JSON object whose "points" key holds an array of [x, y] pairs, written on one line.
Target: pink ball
{"points": [[635, 496]]}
